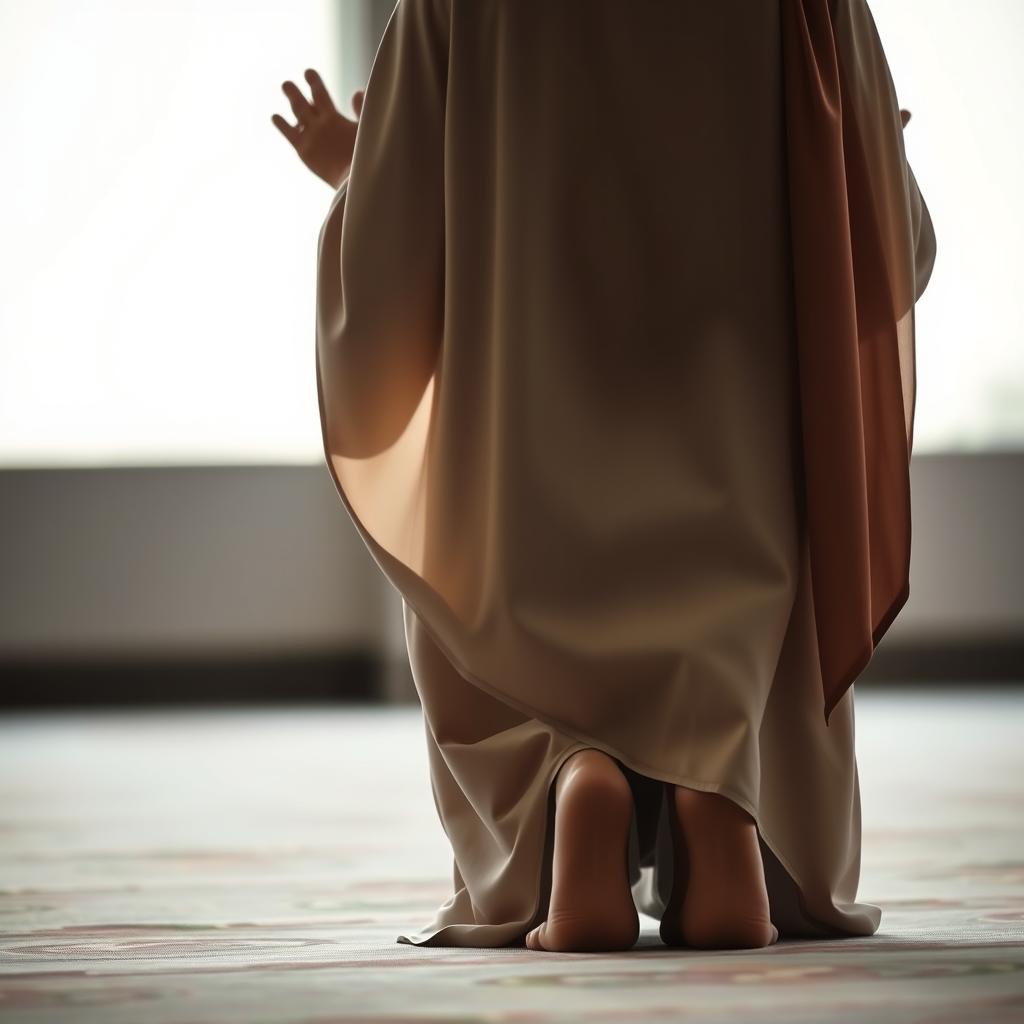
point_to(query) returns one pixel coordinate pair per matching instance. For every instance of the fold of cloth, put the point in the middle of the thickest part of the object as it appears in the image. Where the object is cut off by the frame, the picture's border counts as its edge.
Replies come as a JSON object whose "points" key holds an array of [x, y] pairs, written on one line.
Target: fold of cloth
{"points": [[557, 405], [863, 251]]}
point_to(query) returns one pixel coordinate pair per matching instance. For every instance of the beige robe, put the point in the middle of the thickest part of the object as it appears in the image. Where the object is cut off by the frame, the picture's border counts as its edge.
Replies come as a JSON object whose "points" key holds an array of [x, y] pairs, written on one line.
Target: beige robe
{"points": [[559, 393]]}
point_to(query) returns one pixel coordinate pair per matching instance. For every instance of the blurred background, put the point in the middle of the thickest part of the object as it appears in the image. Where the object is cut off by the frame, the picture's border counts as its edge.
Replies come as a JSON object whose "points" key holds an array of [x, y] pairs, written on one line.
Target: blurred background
{"points": [[215, 795], [169, 529]]}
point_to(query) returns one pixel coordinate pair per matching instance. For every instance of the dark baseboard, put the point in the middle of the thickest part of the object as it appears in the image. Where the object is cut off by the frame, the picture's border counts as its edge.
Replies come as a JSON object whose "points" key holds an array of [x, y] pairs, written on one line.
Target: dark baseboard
{"points": [[190, 679], [362, 677], [998, 659]]}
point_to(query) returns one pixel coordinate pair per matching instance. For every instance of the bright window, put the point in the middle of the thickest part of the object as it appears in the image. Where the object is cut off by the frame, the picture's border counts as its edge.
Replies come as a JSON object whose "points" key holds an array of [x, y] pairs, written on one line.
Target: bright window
{"points": [[158, 235], [157, 232], [957, 68]]}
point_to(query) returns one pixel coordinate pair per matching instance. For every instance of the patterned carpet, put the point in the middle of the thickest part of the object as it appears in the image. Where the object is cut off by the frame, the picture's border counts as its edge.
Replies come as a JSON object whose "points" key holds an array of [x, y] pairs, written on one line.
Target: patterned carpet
{"points": [[215, 866]]}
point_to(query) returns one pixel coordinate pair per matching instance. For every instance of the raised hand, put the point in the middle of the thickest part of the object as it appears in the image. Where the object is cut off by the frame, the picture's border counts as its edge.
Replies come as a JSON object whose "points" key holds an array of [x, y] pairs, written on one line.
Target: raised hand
{"points": [[323, 138]]}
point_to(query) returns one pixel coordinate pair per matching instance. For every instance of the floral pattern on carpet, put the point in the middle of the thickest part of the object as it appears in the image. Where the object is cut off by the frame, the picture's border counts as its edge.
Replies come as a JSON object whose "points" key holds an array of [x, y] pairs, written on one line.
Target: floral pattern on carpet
{"points": [[255, 865]]}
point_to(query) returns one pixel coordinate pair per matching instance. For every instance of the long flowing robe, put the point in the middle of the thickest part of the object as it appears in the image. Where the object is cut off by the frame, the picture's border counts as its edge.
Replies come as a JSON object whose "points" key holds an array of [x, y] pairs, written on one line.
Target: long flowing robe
{"points": [[614, 331]]}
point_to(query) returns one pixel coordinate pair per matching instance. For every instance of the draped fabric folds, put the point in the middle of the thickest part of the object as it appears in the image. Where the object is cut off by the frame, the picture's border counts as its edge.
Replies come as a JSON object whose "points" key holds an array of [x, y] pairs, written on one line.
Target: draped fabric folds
{"points": [[863, 251], [615, 370]]}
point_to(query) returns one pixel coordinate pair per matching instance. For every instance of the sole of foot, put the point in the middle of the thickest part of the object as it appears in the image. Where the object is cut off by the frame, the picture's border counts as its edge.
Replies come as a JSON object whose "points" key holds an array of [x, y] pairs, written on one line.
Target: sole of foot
{"points": [[719, 898], [591, 907]]}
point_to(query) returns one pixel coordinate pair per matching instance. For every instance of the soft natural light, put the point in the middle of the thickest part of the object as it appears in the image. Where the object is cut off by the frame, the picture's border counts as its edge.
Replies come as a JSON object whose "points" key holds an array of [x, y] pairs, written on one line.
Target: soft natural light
{"points": [[957, 68], [158, 232], [158, 235]]}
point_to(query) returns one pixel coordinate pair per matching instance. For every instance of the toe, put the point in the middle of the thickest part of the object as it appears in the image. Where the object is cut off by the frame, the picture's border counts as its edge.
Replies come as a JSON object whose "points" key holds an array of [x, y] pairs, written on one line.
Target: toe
{"points": [[533, 939]]}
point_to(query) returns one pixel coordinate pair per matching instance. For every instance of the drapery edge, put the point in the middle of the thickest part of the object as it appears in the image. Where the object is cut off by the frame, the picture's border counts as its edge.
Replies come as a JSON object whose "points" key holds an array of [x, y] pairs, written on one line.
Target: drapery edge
{"points": [[843, 279]]}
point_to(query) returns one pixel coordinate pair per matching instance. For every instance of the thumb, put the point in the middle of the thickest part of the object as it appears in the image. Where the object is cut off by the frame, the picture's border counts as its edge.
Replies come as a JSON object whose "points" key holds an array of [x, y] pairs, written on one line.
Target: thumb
{"points": [[357, 102]]}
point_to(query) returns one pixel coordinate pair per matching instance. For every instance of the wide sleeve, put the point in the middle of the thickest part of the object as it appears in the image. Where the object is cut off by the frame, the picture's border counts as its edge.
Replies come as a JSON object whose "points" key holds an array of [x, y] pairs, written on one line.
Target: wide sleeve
{"points": [[923, 234], [380, 254]]}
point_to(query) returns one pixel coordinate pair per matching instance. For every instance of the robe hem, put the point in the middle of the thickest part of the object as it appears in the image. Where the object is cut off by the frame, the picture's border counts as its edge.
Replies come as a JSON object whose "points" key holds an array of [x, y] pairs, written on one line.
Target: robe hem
{"points": [[398, 569], [641, 768], [531, 920]]}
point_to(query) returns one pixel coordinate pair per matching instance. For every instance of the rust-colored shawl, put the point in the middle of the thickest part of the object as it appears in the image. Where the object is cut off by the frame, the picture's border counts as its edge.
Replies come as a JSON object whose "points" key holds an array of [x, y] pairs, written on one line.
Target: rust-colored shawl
{"points": [[863, 250]]}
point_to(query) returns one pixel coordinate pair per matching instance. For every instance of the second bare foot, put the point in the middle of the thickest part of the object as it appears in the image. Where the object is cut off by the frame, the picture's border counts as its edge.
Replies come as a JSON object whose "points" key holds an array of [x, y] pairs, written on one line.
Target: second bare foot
{"points": [[719, 898]]}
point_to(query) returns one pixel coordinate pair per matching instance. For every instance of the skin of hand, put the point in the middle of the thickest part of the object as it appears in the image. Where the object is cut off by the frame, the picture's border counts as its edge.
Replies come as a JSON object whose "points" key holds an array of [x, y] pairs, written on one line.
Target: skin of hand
{"points": [[323, 138], [905, 115]]}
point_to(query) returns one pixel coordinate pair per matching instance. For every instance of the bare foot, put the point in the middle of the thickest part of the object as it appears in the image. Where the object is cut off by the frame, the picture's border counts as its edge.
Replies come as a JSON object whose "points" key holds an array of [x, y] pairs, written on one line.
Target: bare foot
{"points": [[591, 907], [719, 899]]}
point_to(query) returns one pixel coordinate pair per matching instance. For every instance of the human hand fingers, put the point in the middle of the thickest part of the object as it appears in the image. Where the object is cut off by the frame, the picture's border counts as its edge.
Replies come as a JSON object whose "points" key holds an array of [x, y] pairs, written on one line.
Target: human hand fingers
{"points": [[291, 132], [302, 109], [321, 97]]}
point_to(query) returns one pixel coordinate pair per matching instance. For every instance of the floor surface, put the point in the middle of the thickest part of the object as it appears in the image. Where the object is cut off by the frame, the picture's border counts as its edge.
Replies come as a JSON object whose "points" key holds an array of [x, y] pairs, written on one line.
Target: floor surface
{"points": [[255, 865]]}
